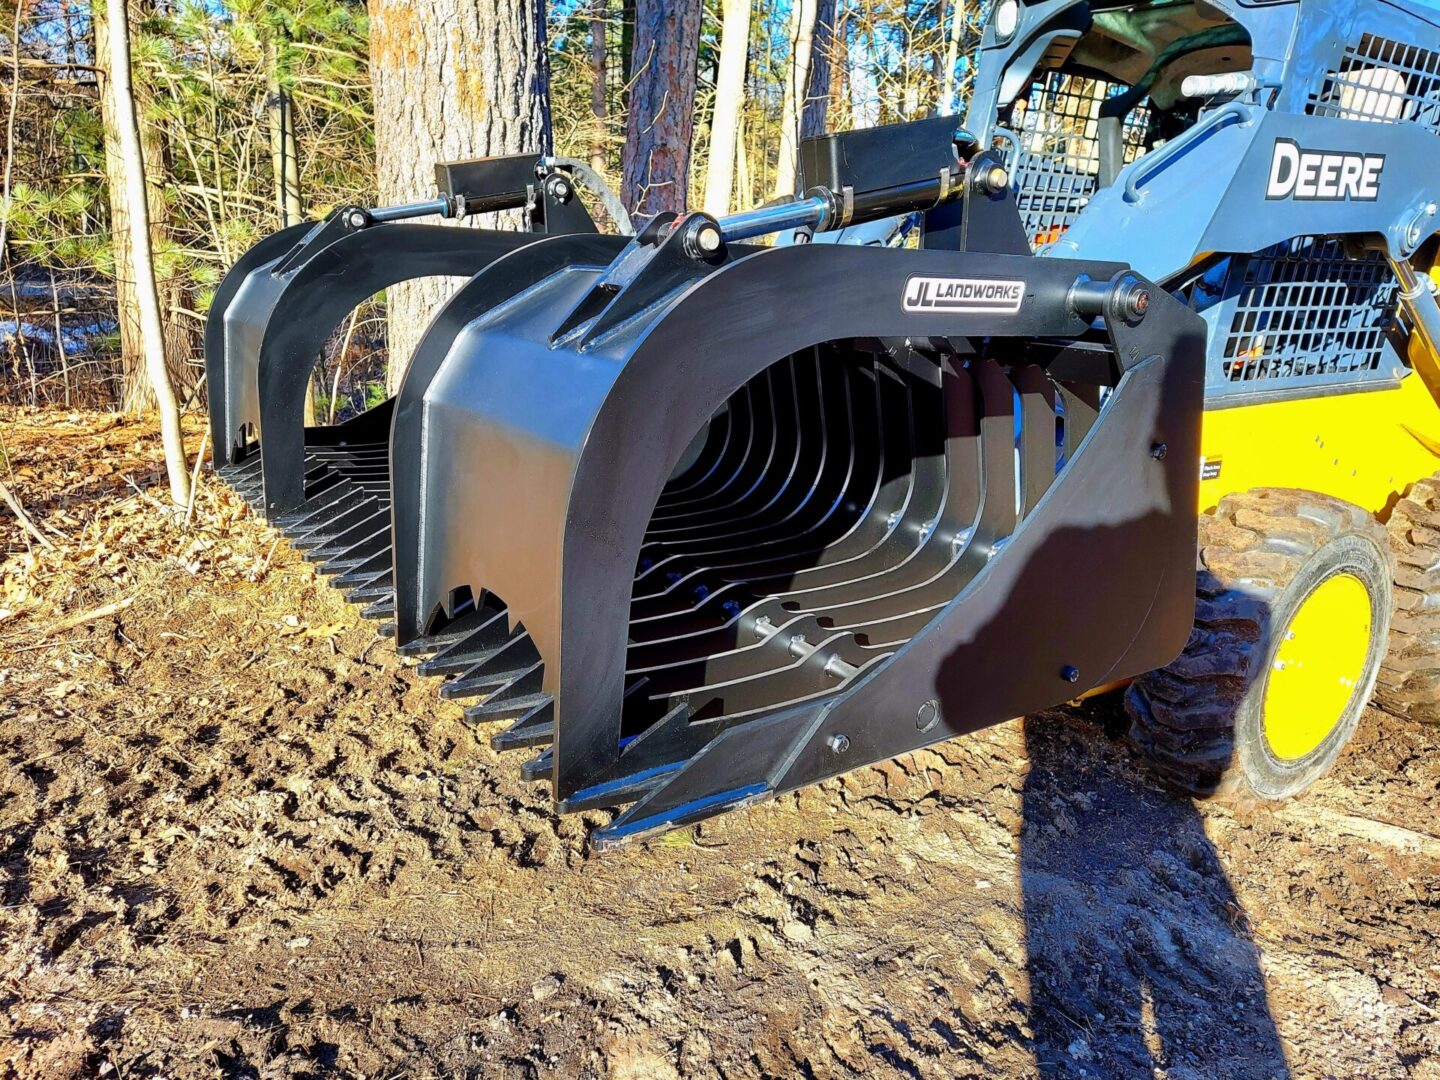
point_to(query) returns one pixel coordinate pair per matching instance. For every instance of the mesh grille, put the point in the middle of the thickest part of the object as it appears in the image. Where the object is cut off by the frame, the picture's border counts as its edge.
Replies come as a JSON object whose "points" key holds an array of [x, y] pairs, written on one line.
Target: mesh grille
{"points": [[1303, 308], [1052, 149], [1382, 81]]}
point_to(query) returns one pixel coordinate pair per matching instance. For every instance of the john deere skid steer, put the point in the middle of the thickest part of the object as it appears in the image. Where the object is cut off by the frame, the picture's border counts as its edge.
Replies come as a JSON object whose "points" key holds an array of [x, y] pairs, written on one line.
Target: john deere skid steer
{"points": [[1269, 164], [700, 520]]}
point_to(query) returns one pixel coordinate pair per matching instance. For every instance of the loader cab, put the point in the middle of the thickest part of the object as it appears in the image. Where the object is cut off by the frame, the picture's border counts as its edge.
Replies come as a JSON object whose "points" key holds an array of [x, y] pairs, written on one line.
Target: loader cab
{"points": [[1072, 92]]}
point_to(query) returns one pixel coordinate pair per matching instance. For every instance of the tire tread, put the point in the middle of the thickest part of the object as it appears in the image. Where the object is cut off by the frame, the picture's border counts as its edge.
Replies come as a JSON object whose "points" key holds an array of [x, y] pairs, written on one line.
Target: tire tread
{"points": [[1251, 546]]}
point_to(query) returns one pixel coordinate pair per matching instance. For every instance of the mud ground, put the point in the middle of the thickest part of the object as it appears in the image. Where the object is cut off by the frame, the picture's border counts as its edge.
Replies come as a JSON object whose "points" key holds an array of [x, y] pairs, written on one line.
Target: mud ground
{"points": [[239, 838]]}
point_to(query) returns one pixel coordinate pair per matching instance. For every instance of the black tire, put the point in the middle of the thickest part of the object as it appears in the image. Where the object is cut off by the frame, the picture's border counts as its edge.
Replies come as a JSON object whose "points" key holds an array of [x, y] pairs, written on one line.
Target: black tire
{"points": [[1262, 554], [1409, 685]]}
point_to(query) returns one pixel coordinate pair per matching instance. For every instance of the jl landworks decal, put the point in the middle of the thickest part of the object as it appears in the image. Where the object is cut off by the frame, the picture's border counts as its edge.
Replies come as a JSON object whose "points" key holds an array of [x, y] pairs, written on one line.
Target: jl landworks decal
{"points": [[970, 295]]}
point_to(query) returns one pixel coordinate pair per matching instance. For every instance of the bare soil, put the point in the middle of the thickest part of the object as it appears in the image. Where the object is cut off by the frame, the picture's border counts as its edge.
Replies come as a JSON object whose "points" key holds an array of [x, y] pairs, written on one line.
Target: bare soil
{"points": [[239, 837]]}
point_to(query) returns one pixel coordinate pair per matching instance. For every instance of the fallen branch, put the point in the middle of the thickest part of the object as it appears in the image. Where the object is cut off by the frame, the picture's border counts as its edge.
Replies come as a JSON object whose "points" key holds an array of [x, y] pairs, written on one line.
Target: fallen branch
{"points": [[84, 618], [195, 478], [150, 498], [24, 518]]}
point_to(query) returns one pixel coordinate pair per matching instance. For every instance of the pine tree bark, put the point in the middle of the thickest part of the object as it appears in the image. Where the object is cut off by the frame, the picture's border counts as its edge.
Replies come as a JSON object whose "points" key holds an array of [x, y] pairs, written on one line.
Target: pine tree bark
{"points": [[840, 107], [814, 116], [135, 389], [797, 82], [662, 106], [132, 166], [452, 80], [599, 90], [729, 97]]}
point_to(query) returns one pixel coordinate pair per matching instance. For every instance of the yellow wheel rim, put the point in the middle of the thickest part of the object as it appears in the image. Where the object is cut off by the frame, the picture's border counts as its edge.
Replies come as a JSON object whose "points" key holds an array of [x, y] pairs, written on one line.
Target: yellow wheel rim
{"points": [[1320, 662]]}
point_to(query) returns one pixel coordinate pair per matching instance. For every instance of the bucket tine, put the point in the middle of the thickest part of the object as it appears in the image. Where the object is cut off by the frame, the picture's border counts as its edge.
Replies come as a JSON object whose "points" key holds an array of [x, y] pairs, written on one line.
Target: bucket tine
{"points": [[490, 631], [535, 728], [1081, 406], [372, 569], [1039, 446], [511, 699], [494, 668]]}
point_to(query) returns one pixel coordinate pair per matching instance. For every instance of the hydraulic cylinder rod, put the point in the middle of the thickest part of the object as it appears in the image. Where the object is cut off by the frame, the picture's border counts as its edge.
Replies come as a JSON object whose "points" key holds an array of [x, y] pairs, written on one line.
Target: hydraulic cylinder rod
{"points": [[1417, 298], [824, 211]]}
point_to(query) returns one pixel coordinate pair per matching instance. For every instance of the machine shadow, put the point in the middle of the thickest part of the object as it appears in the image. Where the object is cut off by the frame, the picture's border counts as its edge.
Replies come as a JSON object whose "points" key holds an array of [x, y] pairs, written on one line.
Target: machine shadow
{"points": [[1139, 956]]}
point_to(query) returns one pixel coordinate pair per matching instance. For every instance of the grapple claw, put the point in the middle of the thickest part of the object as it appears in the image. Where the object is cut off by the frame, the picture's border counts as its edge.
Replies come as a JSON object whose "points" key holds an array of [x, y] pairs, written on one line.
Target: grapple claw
{"points": [[712, 523]]}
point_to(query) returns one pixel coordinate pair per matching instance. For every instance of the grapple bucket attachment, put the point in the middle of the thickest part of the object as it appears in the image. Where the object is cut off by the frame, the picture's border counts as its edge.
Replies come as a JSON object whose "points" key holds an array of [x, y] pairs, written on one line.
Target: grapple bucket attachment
{"points": [[708, 522], [328, 486]]}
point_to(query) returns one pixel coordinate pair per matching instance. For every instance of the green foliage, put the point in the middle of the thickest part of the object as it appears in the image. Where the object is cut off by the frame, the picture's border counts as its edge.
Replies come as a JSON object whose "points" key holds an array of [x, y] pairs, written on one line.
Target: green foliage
{"points": [[203, 75], [56, 225], [206, 75], [375, 394]]}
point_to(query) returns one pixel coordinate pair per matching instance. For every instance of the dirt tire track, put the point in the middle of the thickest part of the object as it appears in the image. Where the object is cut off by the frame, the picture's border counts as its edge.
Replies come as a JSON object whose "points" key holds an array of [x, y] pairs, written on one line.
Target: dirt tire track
{"points": [[238, 837]]}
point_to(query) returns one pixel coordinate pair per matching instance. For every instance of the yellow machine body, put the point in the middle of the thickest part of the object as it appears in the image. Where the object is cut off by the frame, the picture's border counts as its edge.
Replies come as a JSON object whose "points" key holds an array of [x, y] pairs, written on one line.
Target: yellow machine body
{"points": [[1364, 447]]}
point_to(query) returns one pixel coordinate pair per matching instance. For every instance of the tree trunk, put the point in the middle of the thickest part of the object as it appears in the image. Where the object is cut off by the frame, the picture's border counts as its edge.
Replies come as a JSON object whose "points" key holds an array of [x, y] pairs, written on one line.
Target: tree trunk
{"points": [[729, 97], [950, 97], [744, 183], [6, 186], [284, 163], [627, 41], [662, 106], [451, 80], [152, 329], [840, 110], [284, 159], [814, 116], [135, 391], [599, 101], [797, 81]]}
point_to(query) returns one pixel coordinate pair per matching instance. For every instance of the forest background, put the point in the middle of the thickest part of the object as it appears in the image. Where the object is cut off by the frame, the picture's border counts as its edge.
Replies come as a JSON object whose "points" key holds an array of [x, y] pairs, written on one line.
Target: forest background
{"points": [[253, 115]]}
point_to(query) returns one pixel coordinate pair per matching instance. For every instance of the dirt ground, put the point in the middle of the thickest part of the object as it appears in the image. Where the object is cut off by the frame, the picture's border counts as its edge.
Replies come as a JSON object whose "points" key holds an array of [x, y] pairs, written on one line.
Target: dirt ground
{"points": [[239, 837]]}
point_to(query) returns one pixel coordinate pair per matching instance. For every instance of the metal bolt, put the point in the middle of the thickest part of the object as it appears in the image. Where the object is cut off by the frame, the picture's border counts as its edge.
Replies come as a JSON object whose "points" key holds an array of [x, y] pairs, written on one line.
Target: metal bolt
{"points": [[708, 239], [1158, 451], [357, 219], [702, 237], [560, 190], [928, 715], [838, 744], [1070, 673], [1135, 301], [995, 179]]}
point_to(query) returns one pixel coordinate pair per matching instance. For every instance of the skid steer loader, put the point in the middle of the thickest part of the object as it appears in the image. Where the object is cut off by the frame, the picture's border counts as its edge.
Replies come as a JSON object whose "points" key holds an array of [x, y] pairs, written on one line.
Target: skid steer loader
{"points": [[1267, 163], [702, 521]]}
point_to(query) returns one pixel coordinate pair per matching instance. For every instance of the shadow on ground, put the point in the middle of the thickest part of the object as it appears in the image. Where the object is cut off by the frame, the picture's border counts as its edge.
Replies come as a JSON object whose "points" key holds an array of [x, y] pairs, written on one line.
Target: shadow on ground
{"points": [[1135, 939]]}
